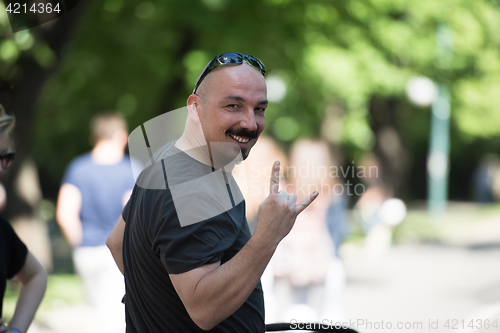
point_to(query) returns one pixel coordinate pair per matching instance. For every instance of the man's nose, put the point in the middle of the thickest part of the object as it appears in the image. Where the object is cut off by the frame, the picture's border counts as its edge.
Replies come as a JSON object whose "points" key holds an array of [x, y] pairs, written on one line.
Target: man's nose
{"points": [[248, 120]]}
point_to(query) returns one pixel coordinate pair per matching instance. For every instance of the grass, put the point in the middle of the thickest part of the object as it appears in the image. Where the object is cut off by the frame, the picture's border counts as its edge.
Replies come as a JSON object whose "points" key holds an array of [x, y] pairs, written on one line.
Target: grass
{"points": [[62, 290], [461, 218]]}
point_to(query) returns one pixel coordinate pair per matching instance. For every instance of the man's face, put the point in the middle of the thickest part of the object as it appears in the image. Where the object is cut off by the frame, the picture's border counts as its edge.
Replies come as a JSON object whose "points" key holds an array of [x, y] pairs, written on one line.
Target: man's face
{"points": [[234, 100]]}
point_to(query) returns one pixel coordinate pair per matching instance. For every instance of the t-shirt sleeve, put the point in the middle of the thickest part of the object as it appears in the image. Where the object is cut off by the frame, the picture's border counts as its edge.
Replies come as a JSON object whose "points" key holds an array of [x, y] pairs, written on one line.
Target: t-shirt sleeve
{"points": [[17, 251], [136, 192], [184, 248], [70, 174]]}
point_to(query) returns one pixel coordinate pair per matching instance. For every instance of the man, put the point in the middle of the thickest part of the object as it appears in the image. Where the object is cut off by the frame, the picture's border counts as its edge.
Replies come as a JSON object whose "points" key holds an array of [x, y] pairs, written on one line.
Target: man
{"points": [[184, 273], [94, 190]]}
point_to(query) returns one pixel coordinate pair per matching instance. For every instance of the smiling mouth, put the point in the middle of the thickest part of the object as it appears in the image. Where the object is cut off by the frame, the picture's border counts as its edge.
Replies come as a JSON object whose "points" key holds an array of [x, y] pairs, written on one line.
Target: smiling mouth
{"points": [[239, 138]]}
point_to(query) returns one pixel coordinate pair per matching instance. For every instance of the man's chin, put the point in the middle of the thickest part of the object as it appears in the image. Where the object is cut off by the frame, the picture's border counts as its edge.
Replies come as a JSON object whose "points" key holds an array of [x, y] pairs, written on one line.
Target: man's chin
{"points": [[245, 153], [225, 153]]}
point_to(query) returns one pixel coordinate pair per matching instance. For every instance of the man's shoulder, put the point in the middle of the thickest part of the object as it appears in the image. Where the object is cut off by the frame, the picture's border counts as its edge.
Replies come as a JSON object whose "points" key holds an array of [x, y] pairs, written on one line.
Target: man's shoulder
{"points": [[81, 160], [77, 164], [169, 166]]}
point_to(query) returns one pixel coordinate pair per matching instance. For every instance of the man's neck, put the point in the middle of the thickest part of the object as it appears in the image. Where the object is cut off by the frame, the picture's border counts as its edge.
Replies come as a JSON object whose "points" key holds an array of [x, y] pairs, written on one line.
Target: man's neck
{"points": [[106, 152], [194, 149]]}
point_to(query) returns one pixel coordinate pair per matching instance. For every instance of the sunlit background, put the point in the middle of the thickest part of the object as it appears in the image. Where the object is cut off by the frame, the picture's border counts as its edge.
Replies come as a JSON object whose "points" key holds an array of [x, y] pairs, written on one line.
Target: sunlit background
{"points": [[412, 87]]}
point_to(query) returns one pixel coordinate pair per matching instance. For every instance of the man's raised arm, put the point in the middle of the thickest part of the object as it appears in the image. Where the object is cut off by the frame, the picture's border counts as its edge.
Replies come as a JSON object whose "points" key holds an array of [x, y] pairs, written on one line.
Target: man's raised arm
{"points": [[213, 292]]}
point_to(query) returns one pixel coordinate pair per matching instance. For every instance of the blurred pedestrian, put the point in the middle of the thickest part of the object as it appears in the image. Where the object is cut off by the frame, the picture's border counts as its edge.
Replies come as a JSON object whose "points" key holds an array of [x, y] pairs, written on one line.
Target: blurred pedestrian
{"points": [[377, 209], [306, 258], [257, 168], [15, 259], [484, 178], [94, 190], [256, 178]]}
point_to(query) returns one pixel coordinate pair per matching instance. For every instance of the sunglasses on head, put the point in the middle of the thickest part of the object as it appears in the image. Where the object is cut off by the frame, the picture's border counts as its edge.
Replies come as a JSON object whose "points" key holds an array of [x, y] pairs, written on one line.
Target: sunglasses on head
{"points": [[6, 158], [230, 58]]}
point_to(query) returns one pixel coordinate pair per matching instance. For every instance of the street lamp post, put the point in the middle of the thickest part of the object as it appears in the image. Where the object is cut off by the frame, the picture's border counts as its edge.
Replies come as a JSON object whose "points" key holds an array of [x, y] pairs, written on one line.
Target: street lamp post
{"points": [[439, 148], [439, 143]]}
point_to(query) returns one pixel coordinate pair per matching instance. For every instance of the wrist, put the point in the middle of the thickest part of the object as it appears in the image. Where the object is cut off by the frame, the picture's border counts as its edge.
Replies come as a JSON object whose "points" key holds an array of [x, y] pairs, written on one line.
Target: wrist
{"points": [[260, 245]]}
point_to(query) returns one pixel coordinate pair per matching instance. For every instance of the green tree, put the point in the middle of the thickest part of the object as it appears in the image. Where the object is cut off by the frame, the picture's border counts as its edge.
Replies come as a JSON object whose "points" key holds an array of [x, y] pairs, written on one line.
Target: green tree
{"points": [[345, 65]]}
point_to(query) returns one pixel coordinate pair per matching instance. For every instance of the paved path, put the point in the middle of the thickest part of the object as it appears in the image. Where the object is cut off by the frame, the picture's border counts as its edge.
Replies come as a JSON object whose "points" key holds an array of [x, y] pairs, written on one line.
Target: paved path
{"points": [[424, 286]]}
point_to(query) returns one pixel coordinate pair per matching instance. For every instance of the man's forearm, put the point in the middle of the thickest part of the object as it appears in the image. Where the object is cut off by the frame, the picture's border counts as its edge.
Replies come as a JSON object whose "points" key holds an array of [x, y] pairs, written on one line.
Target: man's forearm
{"points": [[117, 253], [222, 291], [72, 230], [213, 292], [115, 243]]}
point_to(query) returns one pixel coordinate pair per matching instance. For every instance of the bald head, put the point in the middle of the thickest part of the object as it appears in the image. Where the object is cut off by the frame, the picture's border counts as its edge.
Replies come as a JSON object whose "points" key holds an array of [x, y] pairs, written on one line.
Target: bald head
{"points": [[223, 76], [230, 105]]}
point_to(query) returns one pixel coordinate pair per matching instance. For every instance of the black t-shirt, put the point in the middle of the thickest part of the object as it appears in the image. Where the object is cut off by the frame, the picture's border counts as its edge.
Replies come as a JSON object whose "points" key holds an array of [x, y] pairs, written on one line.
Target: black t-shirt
{"points": [[12, 256], [157, 242]]}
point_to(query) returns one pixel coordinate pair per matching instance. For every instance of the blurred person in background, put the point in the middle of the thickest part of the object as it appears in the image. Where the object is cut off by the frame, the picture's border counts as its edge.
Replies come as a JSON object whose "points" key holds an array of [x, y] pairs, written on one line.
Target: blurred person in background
{"points": [[484, 179], [377, 209], [375, 193], [306, 260], [257, 170], [338, 224], [15, 259], [95, 187]]}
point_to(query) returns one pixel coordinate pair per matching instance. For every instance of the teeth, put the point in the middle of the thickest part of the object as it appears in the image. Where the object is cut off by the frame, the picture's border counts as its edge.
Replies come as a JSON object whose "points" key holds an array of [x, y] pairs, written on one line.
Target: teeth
{"points": [[239, 139]]}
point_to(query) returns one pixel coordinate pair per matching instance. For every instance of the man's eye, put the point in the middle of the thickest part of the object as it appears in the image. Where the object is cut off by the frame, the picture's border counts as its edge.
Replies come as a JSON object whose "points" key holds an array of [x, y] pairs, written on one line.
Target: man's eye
{"points": [[260, 110], [233, 106]]}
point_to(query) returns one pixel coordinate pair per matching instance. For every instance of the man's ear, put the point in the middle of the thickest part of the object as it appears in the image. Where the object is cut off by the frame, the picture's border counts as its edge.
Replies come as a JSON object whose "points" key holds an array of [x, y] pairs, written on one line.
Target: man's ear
{"points": [[194, 105]]}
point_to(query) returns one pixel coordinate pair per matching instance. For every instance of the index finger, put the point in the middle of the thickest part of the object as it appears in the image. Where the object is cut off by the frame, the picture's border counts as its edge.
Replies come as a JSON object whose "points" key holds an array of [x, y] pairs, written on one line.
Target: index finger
{"points": [[275, 178], [306, 202]]}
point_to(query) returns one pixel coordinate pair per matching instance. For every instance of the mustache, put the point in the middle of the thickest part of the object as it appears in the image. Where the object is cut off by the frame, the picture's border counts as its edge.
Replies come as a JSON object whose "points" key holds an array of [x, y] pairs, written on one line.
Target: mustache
{"points": [[243, 133]]}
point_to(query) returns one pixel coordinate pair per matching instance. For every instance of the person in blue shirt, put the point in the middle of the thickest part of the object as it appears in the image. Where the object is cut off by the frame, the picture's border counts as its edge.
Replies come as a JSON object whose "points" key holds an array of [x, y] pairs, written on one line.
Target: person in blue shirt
{"points": [[95, 187]]}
